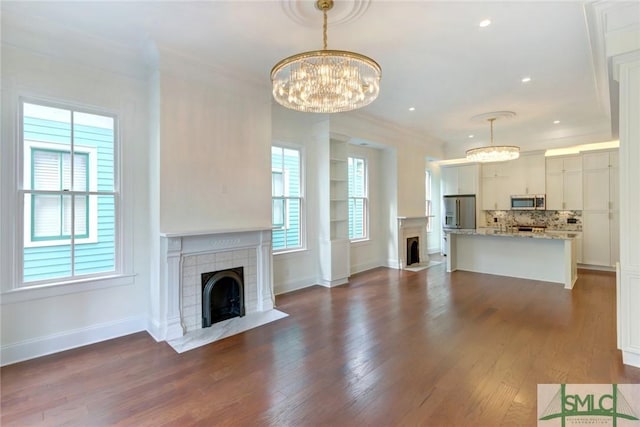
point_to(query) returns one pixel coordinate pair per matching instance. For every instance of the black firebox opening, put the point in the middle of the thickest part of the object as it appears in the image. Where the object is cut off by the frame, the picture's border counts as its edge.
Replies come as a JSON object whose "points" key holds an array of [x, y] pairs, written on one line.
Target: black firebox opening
{"points": [[222, 295], [413, 250]]}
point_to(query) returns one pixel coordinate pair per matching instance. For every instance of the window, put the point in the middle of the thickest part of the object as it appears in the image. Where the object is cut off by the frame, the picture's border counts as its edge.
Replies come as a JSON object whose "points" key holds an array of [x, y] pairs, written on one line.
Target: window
{"points": [[428, 205], [286, 193], [358, 202], [68, 196]]}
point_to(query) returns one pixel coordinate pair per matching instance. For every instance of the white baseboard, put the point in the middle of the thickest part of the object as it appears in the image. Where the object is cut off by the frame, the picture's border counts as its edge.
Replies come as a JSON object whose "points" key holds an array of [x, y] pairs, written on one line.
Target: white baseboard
{"points": [[294, 285], [597, 267], [366, 266], [393, 263], [157, 331], [42, 346], [334, 283], [631, 358]]}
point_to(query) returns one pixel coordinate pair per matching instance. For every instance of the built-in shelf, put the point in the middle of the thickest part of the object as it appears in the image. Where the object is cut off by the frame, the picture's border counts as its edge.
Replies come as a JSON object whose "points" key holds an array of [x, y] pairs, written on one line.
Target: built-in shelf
{"points": [[339, 191]]}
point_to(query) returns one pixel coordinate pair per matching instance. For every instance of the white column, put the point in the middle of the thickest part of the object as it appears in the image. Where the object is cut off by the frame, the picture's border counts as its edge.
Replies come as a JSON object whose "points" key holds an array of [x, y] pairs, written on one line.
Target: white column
{"points": [[173, 297], [628, 76], [265, 272]]}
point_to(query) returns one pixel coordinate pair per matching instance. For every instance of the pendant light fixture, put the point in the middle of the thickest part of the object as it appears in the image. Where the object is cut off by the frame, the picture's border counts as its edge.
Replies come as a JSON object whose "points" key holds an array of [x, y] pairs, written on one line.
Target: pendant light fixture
{"points": [[494, 153], [326, 81]]}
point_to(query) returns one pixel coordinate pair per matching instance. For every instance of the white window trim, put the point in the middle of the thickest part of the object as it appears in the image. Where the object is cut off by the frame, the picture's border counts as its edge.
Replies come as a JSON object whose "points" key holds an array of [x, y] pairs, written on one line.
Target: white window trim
{"points": [[17, 290], [428, 203], [93, 201], [367, 234], [301, 197], [78, 284]]}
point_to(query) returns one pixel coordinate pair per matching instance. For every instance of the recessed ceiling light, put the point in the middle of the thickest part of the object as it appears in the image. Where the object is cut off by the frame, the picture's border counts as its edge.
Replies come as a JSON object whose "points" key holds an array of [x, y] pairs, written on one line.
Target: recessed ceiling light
{"points": [[555, 122], [412, 108], [471, 136], [526, 79], [485, 23]]}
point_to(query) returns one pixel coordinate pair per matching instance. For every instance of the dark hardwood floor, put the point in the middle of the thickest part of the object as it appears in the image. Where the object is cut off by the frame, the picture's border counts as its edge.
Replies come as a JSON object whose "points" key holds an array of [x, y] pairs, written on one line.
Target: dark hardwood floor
{"points": [[390, 348]]}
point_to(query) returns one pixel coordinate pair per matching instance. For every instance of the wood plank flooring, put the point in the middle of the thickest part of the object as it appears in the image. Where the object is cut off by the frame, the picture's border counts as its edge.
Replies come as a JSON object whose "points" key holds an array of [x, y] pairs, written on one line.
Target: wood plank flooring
{"points": [[390, 348]]}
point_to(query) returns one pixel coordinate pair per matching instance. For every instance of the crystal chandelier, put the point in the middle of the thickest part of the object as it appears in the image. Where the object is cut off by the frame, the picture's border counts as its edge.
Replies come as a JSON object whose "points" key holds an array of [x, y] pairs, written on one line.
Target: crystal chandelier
{"points": [[493, 153], [326, 81]]}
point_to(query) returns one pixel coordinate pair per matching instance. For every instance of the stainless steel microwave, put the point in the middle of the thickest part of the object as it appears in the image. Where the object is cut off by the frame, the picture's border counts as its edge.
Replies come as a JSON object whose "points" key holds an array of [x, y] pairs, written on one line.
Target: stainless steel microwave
{"points": [[528, 202]]}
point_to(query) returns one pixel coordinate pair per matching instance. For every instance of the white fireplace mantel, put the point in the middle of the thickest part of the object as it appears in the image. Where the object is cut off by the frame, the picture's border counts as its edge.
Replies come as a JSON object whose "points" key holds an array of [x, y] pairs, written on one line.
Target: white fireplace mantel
{"points": [[183, 253]]}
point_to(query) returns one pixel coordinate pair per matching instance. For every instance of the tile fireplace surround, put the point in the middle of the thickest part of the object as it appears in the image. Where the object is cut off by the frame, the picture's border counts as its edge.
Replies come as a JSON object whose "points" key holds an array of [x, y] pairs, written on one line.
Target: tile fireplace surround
{"points": [[188, 255]]}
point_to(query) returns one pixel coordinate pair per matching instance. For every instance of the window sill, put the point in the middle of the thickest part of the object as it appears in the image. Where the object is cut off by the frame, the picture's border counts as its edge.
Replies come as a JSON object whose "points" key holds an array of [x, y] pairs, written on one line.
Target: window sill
{"points": [[360, 242], [29, 293], [289, 252]]}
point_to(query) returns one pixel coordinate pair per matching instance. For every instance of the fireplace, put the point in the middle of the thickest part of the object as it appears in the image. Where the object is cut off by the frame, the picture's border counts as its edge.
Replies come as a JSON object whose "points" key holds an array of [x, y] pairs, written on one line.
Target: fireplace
{"points": [[412, 242], [193, 260], [222, 295]]}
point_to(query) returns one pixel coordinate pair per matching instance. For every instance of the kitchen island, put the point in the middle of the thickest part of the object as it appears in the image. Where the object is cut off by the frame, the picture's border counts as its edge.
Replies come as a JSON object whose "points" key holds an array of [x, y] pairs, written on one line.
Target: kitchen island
{"points": [[550, 257]]}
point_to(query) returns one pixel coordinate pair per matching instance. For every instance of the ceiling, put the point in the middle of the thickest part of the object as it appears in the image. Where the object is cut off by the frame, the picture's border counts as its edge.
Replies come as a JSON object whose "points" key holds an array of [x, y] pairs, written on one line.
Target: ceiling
{"points": [[434, 56]]}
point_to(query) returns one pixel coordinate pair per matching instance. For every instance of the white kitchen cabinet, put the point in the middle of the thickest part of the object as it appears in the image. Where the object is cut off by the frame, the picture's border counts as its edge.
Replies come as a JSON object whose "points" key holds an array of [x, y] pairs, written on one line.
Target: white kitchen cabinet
{"points": [[496, 191], [564, 183], [600, 219], [596, 189], [461, 179], [528, 174], [596, 241]]}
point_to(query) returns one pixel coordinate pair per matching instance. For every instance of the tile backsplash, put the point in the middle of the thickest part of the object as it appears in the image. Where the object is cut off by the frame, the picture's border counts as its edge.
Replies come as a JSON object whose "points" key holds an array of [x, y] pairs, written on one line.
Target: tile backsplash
{"points": [[552, 220]]}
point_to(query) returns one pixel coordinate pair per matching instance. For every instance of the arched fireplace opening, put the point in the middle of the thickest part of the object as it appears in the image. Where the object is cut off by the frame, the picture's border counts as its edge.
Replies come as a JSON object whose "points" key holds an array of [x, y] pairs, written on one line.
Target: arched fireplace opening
{"points": [[222, 295]]}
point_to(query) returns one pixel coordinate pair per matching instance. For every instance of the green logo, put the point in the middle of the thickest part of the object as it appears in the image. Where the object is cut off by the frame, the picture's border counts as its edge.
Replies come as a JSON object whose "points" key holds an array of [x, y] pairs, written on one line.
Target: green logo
{"points": [[614, 406]]}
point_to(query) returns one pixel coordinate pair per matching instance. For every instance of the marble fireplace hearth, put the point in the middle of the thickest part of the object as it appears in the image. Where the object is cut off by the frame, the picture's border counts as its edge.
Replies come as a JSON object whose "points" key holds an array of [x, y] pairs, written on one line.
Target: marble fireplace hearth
{"points": [[189, 256]]}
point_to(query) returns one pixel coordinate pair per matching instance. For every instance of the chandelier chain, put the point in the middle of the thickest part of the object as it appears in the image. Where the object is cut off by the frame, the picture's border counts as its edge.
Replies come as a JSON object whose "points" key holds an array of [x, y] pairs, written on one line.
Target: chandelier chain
{"points": [[491, 120], [324, 29], [493, 153]]}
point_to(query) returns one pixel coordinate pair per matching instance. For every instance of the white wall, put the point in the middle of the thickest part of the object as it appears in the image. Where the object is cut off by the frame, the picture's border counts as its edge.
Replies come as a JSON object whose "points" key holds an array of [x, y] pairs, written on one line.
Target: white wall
{"points": [[42, 321], [215, 149], [369, 254], [300, 269], [412, 152], [434, 238]]}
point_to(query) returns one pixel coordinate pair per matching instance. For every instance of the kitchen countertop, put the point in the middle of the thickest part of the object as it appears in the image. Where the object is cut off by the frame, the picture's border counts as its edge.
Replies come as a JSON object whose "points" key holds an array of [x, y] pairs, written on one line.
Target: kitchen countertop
{"points": [[555, 235]]}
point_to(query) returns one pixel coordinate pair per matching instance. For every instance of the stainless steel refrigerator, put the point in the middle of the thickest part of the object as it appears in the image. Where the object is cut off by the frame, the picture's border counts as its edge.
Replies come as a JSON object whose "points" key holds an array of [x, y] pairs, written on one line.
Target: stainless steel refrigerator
{"points": [[460, 212]]}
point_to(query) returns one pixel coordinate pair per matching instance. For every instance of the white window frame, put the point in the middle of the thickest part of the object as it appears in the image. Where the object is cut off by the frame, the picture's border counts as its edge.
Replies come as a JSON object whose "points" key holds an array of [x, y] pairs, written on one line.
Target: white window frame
{"points": [[68, 284], [428, 184], [301, 198], [365, 199]]}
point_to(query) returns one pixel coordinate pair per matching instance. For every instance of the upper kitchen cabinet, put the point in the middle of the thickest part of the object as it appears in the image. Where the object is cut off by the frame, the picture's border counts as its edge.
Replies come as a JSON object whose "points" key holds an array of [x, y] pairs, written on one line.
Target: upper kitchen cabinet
{"points": [[600, 180], [462, 179], [496, 186], [564, 183], [528, 174]]}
